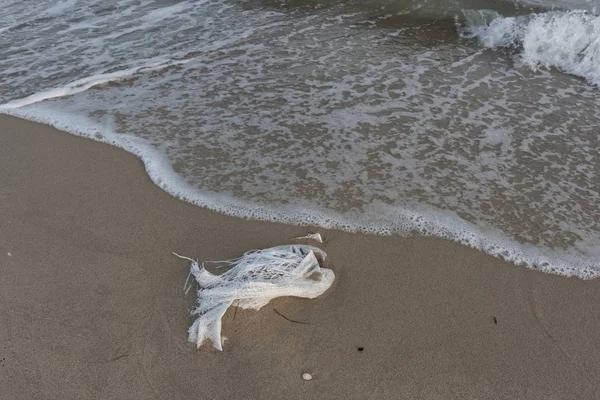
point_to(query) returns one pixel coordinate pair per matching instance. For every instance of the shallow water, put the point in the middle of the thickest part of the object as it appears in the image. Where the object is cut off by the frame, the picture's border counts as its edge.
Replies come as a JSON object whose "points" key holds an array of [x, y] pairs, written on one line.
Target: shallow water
{"points": [[476, 120]]}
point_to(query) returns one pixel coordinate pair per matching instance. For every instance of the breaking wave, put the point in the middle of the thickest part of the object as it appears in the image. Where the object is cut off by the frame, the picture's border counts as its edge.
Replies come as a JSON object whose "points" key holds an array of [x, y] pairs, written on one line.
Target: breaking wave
{"points": [[568, 41]]}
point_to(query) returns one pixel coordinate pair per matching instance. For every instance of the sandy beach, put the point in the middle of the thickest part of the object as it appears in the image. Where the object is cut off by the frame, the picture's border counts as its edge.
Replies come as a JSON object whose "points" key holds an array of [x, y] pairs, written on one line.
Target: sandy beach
{"points": [[92, 307]]}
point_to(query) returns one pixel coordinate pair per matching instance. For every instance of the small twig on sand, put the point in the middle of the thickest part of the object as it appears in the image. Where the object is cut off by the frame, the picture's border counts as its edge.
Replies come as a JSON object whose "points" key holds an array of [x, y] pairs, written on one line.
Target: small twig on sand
{"points": [[291, 320]]}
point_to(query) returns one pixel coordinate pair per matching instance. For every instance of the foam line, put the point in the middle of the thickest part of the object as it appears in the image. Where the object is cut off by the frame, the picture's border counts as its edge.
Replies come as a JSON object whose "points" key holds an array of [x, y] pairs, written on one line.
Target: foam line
{"points": [[86, 83], [378, 219]]}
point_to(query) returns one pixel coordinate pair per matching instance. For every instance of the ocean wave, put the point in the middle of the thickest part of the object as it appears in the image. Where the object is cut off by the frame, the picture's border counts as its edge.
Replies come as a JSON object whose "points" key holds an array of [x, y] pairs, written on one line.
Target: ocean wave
{"points": [[81, 85], [568, 41]]}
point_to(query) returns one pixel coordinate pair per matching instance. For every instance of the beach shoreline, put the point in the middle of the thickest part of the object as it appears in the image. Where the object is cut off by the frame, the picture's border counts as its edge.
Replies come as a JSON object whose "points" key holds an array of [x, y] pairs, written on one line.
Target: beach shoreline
{"points": [[92, 306]]}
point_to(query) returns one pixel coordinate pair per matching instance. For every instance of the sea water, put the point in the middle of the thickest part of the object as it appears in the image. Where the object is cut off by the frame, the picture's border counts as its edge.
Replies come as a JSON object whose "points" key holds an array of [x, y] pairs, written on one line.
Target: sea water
{"points": [[473, 120]]}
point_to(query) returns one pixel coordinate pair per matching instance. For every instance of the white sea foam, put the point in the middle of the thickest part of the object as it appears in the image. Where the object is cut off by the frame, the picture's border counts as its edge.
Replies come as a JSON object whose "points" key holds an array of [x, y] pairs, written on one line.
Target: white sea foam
{"points": [[84, 84], [380, 219], [59, 8], [569, 41]]}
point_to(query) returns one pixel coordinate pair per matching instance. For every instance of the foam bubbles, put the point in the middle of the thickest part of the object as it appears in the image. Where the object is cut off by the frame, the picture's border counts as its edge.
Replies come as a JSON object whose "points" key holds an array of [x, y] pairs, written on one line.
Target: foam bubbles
{"points": [[568, 41], [86, 83]]}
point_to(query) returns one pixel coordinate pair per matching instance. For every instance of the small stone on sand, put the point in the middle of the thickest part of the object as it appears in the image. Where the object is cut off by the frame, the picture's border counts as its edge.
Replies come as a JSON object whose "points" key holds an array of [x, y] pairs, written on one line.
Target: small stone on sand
{"points": [[306, 376]]}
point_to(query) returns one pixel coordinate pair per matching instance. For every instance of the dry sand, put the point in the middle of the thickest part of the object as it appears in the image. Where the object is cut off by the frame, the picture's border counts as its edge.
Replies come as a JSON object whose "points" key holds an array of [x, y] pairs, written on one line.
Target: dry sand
{"points": [[91, 302]]}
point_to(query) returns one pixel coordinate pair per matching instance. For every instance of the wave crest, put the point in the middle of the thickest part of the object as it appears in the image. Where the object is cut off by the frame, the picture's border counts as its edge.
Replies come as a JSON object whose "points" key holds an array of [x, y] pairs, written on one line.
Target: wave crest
{"points": [[568, 40]]}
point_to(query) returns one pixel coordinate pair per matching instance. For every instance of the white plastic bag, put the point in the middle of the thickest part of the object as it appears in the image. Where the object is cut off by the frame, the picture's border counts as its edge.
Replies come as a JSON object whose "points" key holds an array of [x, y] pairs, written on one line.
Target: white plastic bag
{"points": [[252, 281]]}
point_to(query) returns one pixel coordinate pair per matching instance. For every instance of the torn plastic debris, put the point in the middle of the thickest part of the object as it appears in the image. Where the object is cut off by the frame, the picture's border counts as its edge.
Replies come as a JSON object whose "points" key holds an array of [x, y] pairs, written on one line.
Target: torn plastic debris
{"points": [[252, 281], [313, 236]]}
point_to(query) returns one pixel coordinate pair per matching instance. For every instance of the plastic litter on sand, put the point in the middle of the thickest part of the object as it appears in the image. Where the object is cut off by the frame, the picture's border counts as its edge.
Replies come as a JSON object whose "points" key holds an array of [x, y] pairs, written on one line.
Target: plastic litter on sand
{"points": [[313, 236], [252, 281]]}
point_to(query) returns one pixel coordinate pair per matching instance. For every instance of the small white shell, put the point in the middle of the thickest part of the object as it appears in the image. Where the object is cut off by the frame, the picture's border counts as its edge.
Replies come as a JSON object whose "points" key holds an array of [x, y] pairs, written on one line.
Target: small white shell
{"points": [[9, 254], [306, 376]]}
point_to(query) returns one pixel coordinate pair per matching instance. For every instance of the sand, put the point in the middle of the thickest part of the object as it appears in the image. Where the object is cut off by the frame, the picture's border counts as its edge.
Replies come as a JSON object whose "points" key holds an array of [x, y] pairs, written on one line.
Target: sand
{"points": [[91, 301]]}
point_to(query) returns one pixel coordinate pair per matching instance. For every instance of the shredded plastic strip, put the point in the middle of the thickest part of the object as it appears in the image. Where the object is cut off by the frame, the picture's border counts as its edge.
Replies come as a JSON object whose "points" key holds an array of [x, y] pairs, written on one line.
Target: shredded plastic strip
{"points": [[252, 281], [312, 236]]}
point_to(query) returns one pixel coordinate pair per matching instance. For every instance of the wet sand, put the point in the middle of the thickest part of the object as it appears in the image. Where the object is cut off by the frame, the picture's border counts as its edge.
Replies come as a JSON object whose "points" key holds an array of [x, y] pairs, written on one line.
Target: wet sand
{"points": [[91, 301]]}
